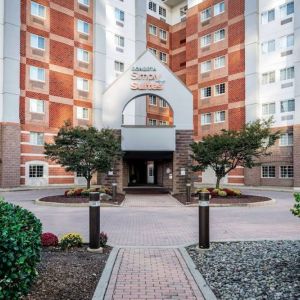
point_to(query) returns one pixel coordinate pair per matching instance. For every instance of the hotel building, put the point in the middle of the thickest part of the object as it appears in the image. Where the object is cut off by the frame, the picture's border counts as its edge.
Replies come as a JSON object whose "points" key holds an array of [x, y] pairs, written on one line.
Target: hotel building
{"points": [[161, 73]]}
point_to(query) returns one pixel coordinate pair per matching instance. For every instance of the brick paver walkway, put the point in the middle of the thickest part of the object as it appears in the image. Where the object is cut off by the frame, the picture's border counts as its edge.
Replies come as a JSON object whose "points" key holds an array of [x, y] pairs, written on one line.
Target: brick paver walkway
{"points": [[151, 274], [163, 200]]}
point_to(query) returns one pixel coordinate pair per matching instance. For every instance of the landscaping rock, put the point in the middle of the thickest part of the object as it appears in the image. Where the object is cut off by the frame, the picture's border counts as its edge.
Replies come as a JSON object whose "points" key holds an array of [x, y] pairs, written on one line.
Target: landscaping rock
{"points": [[105, 197]]}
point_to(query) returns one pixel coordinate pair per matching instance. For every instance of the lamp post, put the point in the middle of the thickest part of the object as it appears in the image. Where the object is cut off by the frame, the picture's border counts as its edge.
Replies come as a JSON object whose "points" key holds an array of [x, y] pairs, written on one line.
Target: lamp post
{"points": [[204, 220], [94, 216]]}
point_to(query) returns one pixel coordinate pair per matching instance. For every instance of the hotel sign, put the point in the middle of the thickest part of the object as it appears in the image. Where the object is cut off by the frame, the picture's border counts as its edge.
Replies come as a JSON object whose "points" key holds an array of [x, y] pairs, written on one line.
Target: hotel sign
{"points": [[146, 78]]}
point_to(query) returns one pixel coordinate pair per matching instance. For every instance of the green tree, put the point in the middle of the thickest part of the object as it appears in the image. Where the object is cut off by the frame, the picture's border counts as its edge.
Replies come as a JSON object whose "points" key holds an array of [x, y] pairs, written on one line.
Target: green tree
{"points": [[85, 150], [225, 151]]}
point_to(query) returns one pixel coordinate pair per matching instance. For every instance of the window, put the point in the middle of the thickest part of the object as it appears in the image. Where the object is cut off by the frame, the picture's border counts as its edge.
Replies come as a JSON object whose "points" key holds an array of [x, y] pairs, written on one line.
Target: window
{"points": [[152, 29], [268, 47], [84, 2], [206, 92], [119, 41], [37, 138], [183, 11], [206, 14], [219, 116], [37, 41], [83, 27], [287, 9], [163, 103], [37, 74], [219, 35], [219, 8], [286, 139], [268, 16], [36, 171], [119, 14], [286, 172], [82, 113], [287, 105], [152, 6], [219, 62], [38, 10], [287, 73], [119, 66], [37, 106], [82, 84], [152, 100], [206, 119], [205, 40], [206, 66], [162, 34], [162, 11], [153, 51], [82, 55], [220, 89], [268, 171], [152, 122], [268, 108], [163, 123], [268, 77], [287, 41], [163, 57]]}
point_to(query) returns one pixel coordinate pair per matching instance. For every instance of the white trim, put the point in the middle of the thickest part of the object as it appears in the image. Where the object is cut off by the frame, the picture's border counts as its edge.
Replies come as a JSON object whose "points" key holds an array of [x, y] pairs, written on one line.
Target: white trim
{"points": [[32, 154], [236, 176], [61, 176]]}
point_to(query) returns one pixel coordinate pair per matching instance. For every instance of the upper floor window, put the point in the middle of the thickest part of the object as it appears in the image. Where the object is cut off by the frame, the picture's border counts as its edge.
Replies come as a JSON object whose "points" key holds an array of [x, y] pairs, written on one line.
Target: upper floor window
{"points": [[287, 73], [37, 74], [152, 100], [83, 27], [162, 34], [268, 108], [82, 55], [84, 2], [82, 84], [152, 29], [287, 105], [268, 47], [206, 92], [219, 62], [219, 8], [268, 77], [183, 11], [38, 10], [206, 14], [268, 16], [153, 51], [206, 119], [119, 66], [152, 6], [37, 106], [119, 41], [37, 138], [120, 15], [82, 113], [163, 103], [163, 57], [287, 9], [219, 116], [205, 40], [206, 66], [37, 41], [286, 139], [219, 35], [287, 41], [162, 11], [220, 89]]}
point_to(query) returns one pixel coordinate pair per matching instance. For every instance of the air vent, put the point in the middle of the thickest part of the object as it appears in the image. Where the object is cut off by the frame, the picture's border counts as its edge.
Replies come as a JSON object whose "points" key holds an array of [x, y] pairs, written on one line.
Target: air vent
{"points": [[37, 84], [120, 24], [285, 53], [38, 52], [38, 20], [162, 19], [183, 41], [205, 23], [286, 85], [119, 49], [287, 118], [283, 22], [205, 49], [83, 94], [83, 36], [82, 64], [37, 117]]}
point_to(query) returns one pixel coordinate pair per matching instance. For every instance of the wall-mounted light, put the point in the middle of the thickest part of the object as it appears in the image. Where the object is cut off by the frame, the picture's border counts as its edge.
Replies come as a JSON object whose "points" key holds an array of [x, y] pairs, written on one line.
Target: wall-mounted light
{"points": [[182, 171]]}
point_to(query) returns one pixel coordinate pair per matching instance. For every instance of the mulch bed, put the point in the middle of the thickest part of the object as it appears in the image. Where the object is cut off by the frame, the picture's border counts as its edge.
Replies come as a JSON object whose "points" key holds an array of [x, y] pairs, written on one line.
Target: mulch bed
{"points": [[70, 274], [80, 199], [243, 199]]}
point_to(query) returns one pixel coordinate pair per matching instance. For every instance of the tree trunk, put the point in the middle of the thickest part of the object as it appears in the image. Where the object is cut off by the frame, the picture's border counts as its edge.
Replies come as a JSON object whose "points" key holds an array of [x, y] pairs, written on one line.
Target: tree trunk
{"points": [[88, 183], [218, 182]]}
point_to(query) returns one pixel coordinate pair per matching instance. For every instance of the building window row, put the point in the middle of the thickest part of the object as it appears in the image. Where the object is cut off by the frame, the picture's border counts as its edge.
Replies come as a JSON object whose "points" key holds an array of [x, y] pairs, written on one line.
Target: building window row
{"points": [[218, 62], [209, 12], [219, 117], [154, 122], [284, 43], [161, 10], [285, 10], [287, 73], [269, 171], [217, 36], [153, 30], [219, 89], [162, 55], [285, 106]]}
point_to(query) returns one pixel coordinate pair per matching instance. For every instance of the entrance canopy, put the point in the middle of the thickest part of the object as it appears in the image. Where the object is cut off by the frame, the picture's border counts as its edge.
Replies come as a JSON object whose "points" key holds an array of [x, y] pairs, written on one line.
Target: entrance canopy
{"points": [[148, 75]]}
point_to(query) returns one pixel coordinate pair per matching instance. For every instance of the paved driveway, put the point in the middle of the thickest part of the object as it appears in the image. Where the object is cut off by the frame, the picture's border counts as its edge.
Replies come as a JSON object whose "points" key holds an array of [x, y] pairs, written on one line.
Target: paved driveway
{"points": [[164, 222]]}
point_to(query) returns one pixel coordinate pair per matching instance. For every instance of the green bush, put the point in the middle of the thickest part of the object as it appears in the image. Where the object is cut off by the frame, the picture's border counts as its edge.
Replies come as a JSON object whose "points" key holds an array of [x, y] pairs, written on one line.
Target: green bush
{"points": [[222, 194], [20, 247], [296, 209], [71, 240]]}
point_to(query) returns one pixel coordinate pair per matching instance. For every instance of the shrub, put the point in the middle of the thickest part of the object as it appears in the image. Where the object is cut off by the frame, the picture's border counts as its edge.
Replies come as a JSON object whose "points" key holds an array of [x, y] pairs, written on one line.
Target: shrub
{"points": [[49, 239], [237, 192], [71, 240], [296, 209], [20, 246], [78, 192], [66, 193], [222, 194], [229, 192], [103, 239], [70, 193]]}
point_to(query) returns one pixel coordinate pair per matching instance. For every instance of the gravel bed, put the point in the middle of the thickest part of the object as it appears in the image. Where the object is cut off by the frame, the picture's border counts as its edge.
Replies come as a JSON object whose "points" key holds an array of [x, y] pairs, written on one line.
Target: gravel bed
{"points": [[251, 270]]}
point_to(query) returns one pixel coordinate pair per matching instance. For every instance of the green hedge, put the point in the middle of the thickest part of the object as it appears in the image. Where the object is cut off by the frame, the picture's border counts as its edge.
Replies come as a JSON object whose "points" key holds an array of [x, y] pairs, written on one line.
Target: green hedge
{"points": [[20, 247]]}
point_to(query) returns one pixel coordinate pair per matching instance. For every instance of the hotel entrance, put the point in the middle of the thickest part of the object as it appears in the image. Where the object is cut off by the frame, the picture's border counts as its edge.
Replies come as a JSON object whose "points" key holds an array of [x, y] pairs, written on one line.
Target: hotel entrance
{"points": [[142, 173]]}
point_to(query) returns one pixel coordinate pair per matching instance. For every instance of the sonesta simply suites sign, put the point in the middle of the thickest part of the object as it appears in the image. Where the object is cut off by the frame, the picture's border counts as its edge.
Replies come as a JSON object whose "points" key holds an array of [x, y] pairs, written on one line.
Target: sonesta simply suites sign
{"points": [[146, 78]]}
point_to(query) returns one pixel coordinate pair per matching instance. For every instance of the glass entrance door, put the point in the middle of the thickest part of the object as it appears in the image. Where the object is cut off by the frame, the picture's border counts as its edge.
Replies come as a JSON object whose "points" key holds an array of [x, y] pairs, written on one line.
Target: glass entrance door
{"points": [[150, 172]]}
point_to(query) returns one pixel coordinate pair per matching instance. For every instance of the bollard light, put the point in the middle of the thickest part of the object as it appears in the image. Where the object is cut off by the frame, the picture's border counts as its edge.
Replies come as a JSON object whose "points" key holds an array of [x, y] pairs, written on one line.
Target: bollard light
{"points": [[188, 193], [94, 221], [114, 192], [204, 220]]}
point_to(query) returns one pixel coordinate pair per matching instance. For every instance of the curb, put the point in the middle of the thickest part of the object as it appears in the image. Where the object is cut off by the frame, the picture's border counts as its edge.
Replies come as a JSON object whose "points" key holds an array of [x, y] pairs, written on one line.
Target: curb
{"points": [[105, 277], [200, 281]]}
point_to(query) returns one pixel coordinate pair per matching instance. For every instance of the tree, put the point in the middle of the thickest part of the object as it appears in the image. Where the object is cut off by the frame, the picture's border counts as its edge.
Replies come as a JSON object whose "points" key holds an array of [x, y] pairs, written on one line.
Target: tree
{"points": [[84, 150], [225, 151]]}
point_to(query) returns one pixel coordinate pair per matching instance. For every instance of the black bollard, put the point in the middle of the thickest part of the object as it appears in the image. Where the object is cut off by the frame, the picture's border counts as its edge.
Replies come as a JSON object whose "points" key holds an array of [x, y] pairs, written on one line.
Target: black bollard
{"points": [[204, 220], [94, 221], [188, 193], [114, 192]]}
